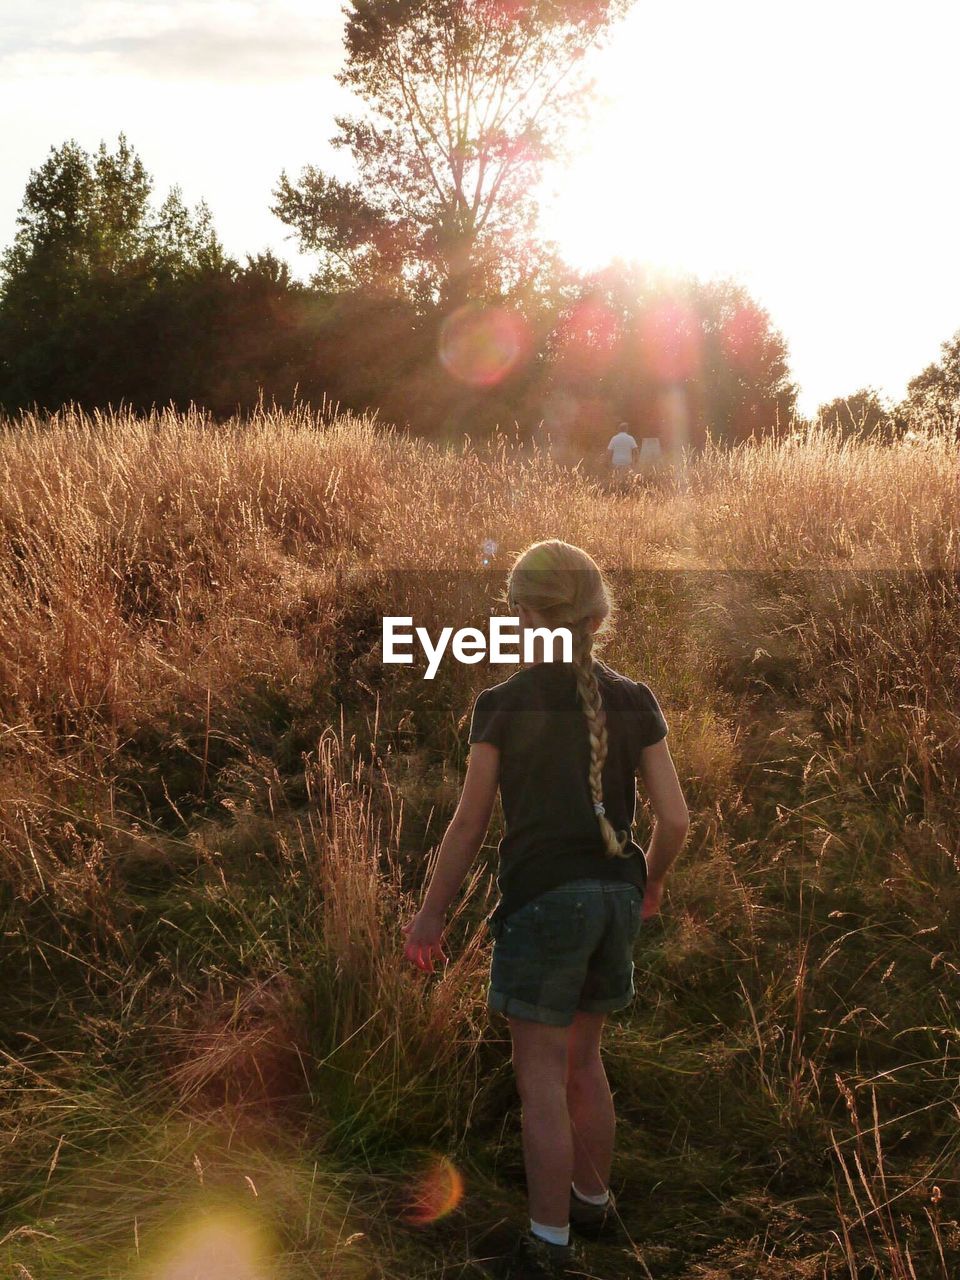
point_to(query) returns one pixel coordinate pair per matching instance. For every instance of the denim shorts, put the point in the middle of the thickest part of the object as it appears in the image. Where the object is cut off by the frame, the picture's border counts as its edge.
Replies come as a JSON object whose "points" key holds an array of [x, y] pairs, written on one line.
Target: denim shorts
{"points": [[569, 948]]}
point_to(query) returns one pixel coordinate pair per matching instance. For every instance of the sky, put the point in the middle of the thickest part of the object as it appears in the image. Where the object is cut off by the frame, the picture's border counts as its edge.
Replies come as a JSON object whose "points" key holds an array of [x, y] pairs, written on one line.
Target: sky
{"points": [[805, 150]]}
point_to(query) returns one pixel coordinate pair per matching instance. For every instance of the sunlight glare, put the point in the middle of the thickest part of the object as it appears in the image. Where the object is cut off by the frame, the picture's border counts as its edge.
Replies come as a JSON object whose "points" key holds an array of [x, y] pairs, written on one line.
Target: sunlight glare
{"points": [[642, 175], [218, 1246]]}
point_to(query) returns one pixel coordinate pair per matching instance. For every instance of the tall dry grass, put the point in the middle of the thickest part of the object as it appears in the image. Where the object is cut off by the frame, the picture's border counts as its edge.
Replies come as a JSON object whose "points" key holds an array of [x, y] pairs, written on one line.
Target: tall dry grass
{"points": [[217, 806]]}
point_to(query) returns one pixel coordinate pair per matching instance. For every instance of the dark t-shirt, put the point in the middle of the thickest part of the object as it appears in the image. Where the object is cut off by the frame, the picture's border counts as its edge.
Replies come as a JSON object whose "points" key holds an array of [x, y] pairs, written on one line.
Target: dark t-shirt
{"points": [[551, 832]]}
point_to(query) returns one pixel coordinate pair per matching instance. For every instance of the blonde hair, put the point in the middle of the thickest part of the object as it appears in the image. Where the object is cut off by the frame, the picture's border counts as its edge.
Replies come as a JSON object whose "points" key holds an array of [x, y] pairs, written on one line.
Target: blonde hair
{"points": [[565, 587]]}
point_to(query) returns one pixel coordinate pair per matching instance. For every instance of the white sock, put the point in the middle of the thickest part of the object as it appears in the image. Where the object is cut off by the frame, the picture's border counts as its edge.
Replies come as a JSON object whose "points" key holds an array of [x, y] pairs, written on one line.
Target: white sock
{"points": [[555, 1235], [591, 1199]]}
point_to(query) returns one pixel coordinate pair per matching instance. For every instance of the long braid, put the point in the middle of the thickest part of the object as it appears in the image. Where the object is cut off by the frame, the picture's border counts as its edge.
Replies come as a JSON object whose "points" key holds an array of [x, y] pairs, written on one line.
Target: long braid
{"points": [[566, 588], [588, 691]]}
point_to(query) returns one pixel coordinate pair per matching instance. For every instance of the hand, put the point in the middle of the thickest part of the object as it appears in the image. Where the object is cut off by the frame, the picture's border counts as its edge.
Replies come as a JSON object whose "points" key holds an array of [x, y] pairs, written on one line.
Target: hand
{"points": [[651, 899], [424, 933]]}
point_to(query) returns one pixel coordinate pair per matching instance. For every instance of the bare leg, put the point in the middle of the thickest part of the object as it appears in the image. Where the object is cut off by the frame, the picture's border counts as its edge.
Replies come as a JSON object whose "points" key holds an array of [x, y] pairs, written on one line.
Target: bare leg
{"points": [[590, 1106], [540, 1065]]}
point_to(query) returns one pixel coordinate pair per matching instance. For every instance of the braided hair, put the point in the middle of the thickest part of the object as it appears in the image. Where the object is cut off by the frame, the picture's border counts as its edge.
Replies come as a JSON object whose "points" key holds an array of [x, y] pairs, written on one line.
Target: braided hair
{"points": [[564, 585]]}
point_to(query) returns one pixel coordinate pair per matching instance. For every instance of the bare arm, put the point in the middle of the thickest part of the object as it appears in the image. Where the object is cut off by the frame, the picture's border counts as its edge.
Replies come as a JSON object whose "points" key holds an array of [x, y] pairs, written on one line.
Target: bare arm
{"points": [[672, 819], [458, 848], [468, 826]]}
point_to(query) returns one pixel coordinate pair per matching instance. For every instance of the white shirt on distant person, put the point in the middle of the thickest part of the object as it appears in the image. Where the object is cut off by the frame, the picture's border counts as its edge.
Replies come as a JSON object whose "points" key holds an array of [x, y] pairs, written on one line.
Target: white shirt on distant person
{"points": [[621, 449]]}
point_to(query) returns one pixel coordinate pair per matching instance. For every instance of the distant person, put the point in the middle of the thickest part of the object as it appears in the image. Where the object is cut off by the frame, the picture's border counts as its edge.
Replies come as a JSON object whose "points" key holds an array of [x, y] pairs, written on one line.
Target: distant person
{"points": [[622, 449], [650, 451]]}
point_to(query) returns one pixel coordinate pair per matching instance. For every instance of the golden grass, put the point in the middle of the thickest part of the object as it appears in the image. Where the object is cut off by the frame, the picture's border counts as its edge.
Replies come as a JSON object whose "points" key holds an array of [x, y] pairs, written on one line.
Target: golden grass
{"points": [[217, 805]]}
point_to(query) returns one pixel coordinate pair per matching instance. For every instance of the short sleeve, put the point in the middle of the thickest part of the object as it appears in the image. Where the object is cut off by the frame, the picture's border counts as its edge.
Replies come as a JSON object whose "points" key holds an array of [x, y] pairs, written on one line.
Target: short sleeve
{"points": [[648, 725], [486, 723]]}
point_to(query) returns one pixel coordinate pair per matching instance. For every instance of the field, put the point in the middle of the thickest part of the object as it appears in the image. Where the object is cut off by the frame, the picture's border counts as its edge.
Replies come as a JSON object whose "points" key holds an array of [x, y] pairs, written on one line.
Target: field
{"points": [[218, 806]]}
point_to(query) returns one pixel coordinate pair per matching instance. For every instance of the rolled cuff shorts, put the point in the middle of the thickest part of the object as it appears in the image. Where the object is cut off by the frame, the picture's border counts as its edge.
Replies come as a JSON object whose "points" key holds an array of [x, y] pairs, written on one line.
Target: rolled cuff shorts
{"points": [[569, 948]]}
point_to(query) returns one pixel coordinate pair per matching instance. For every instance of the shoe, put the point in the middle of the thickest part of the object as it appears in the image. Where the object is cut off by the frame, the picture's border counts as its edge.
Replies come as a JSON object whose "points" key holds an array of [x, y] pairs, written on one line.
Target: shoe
{"points": [[536, 1259], [592, 1220]]}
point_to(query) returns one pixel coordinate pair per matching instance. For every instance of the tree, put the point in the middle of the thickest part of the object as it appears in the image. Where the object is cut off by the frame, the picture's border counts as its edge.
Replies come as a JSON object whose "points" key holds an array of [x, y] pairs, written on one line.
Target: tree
{"points": [[183, 242], [117, 215], [859, 414], [105, 298], [747, 388], [465, 100], [671, 355], [936, 391], [90, 268], [85, 216]]}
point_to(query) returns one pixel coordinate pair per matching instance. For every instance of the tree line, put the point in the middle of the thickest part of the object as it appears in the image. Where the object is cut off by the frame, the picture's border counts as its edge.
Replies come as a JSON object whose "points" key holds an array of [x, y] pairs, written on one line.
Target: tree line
{"points": [[434, 298]]}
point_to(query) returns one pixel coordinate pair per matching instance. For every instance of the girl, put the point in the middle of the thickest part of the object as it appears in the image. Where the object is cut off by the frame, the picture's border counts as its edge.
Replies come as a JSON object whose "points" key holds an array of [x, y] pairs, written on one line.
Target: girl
{"points": [[564, 743]]}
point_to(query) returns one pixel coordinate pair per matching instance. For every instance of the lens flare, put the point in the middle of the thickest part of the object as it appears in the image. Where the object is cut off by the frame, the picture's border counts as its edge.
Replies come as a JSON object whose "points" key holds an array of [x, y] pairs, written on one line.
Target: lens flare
{"points": [[221, 1246], [675, 423], [588, 339], [436, 1192], [744, 339], [481, 345], [670, 341]]}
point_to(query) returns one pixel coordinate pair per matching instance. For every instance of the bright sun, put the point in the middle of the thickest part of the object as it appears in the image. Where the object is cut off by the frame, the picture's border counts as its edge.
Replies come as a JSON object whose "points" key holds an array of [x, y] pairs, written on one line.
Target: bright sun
{"points": [[663, 171], [752, 141]]}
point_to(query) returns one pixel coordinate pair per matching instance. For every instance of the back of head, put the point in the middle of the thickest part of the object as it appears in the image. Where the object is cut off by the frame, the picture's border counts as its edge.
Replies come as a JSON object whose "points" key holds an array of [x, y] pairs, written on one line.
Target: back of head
{"points": [[564, 586]]}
